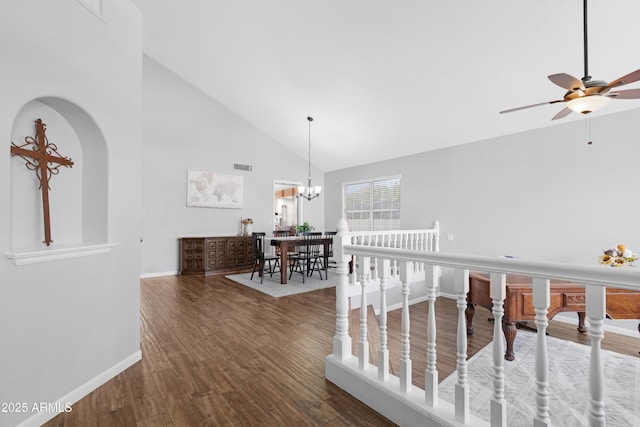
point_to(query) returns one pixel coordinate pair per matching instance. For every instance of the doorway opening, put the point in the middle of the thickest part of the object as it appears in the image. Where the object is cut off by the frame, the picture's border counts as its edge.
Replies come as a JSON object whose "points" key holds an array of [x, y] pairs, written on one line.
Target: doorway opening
{"points": [[286, 207]]}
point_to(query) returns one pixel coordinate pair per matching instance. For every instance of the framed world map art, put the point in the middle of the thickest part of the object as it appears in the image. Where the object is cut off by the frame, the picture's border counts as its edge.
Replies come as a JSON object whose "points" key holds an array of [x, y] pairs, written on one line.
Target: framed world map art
{"points": [[214, 190]]}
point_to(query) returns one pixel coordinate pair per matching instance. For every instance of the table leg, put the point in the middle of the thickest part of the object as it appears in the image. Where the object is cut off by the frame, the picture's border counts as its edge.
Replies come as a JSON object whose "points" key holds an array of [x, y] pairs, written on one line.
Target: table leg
{"points": [[469, 312], [326, 261], [509, 329], [581, 327], [284, 265]]}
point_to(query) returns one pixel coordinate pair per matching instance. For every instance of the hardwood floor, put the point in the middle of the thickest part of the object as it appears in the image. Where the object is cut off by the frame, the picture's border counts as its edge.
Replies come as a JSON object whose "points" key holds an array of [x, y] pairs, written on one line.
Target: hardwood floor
{"points": [[216, 353]]}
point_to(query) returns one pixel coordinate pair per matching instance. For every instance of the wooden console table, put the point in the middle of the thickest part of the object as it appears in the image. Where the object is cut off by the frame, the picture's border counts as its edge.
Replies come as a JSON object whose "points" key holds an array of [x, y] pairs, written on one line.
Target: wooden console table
{"points": [[564, 296], [215, 255]]}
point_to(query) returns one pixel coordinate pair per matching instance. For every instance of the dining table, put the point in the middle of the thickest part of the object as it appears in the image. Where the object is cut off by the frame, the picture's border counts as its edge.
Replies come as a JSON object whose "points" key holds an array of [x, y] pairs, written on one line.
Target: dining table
{"points": [[288, 244]]}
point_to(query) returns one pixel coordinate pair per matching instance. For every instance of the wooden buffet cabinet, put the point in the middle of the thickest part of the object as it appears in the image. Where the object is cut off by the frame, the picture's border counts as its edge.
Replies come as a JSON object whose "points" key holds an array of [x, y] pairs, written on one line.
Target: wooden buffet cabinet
{"points": [[215, 255]]}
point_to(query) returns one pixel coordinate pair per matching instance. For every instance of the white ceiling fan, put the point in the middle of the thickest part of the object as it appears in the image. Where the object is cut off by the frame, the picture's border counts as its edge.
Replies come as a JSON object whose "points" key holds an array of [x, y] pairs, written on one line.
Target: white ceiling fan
{"points": [[586, 95]]}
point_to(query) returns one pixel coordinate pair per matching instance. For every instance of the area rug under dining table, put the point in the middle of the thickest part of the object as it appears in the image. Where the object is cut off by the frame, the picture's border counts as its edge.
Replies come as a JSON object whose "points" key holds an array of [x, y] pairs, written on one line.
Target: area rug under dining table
{"points": [[271, 285], [568, 384]]}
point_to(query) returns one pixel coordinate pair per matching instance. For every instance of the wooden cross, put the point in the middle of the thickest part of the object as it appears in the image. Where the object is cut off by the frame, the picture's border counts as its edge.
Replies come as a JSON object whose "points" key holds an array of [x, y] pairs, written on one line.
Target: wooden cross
{"points": [[43, 158]]}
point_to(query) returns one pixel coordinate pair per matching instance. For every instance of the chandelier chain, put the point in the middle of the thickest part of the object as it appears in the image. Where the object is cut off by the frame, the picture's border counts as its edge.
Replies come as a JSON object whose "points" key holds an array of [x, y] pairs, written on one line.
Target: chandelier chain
{"points": [[309, 192]]}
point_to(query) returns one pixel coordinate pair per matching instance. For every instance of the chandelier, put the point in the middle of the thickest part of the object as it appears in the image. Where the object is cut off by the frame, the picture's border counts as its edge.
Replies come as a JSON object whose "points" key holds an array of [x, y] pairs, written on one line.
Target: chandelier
{"points": [[309, 191]]}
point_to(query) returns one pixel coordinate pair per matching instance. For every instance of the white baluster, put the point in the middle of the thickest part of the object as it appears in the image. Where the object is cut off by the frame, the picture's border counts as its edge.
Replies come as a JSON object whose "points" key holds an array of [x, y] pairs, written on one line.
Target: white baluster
{"points": [[541, 300], [461, 287], [498, 404], [596, 311], [405, 358], [431, 373], [342, 340], [373, 270], [363, 353], [383, 352], [425, 247], [364, 269], [436, 236]]}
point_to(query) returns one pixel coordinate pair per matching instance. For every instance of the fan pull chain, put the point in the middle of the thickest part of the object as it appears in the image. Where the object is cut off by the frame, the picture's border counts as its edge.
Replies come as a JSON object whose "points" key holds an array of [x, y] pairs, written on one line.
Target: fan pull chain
{"points": [[587, 126]]}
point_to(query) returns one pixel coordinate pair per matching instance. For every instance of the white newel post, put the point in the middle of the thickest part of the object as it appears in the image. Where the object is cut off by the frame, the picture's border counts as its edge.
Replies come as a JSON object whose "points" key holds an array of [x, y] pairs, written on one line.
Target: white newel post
{"points": [[431, 373], [342, 340], [461, 287], [541, 298], [384, 266], [405, 358], [363, 345], [596, 310], [498, 403]]}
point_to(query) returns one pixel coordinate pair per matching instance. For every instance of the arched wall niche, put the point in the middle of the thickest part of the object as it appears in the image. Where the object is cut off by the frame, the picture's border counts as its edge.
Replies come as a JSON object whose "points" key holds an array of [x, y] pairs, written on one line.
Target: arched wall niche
{"points": [[78, 197]]}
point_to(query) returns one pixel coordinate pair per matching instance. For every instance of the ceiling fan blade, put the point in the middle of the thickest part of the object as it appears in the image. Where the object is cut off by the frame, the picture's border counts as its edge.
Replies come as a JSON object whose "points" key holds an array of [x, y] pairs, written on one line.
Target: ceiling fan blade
{"points": [[625, 80], [566, 81], [625, 94], [562, 113], [530, 106]]}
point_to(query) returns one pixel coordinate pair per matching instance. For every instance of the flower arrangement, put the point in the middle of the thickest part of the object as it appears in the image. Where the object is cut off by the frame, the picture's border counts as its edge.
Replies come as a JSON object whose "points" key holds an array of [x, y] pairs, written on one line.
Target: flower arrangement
{"points": [[304, 227], [618, 256], [246, 226]]}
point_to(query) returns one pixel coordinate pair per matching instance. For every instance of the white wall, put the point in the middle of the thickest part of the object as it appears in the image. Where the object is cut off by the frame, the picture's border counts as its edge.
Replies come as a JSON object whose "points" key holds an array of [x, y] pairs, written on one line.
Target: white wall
{"points": [[183, 129], [68, 325], [543, 195]]}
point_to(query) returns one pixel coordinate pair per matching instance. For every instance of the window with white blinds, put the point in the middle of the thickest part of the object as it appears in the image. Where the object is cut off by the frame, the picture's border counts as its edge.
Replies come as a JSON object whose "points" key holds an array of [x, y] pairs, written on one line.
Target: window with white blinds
{"points": [[373, 204]]}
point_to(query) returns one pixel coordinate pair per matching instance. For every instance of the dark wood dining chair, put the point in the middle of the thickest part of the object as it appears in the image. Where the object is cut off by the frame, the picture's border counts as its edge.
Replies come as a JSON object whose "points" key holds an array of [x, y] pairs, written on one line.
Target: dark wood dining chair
{"points": [[282, 233], [331, 263], [261, 258], [309, 259]]}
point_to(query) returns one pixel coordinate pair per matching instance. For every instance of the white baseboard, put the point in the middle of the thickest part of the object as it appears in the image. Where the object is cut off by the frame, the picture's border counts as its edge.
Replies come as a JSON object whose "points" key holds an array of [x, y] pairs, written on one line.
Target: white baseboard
{"points": [[385, 397], [398, 306], [629, 329], [161, 274], [72, 397], [446, 295]]}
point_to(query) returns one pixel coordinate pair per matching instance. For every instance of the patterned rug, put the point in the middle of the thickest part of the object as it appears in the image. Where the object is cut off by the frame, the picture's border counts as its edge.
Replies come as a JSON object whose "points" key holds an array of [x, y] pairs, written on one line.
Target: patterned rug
{"points": [[271, 285], [568, 379]]}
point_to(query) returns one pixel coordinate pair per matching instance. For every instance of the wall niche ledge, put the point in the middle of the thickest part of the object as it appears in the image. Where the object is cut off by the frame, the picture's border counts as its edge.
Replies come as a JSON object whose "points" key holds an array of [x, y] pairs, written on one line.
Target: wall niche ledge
{"points": [[38, 255]]}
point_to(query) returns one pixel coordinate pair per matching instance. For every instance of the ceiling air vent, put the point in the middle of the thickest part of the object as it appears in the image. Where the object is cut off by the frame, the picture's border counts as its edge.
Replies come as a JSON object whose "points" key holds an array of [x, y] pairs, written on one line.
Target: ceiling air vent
{"points": [[240, 167]]}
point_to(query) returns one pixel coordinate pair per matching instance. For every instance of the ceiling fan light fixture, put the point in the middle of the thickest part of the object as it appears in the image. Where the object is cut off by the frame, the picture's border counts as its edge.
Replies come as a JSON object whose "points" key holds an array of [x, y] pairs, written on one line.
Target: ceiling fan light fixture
{"points": [[585, 95], [587, 104]]}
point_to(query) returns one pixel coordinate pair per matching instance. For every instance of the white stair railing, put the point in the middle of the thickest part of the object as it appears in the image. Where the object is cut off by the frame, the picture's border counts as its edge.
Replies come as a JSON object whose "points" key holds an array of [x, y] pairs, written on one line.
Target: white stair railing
{"points": [[366, 270], [399, 400]]}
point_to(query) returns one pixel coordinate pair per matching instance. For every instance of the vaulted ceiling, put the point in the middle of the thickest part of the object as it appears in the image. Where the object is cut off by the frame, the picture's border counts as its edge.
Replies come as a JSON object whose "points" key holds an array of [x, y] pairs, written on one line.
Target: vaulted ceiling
{"points": [[383, 78]]}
